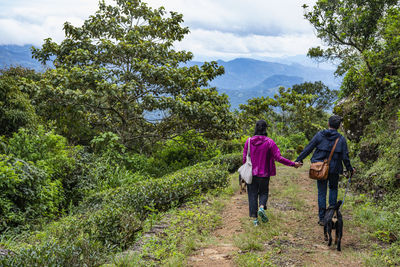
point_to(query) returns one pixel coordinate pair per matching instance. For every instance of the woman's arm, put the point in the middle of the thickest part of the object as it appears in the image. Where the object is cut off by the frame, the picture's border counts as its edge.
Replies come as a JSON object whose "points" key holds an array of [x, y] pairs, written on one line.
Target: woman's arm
{"points": [[276, 153]]}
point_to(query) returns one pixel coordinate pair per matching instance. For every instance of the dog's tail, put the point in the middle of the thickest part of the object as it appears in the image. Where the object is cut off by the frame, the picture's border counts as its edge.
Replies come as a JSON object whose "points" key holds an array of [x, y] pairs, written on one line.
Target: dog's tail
{"points": [[338, 204]]}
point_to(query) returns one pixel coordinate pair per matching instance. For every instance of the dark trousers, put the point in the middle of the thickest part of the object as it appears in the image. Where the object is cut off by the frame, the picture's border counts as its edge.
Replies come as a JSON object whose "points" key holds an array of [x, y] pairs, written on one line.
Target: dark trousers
{"points": [[332, 181], [257, 192]]}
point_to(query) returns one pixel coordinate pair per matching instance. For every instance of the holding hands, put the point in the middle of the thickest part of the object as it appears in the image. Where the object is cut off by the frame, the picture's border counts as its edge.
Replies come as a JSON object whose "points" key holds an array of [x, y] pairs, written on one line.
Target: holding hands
{"points": [[298, 164]]}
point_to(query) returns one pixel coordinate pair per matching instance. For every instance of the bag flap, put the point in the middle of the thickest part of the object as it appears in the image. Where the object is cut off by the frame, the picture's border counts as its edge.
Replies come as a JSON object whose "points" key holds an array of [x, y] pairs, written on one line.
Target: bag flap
{"points": [[317, 166]]}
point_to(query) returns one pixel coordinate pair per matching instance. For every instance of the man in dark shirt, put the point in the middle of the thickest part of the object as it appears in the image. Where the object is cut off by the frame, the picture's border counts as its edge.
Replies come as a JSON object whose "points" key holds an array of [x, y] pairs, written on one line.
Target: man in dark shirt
{"points": [[323, 143]]}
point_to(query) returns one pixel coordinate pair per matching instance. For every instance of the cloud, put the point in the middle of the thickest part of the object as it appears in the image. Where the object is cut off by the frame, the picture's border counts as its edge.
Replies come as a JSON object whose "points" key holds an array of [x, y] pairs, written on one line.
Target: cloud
{"points": [[226, 46], [220, 29], [30, 22], [256, 17]]}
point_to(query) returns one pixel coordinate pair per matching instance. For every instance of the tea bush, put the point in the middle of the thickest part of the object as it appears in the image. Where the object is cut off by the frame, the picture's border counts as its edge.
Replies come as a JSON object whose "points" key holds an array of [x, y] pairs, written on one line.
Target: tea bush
{"points": [[108, 221], [182, 151], [160, 194], [231, 161]]}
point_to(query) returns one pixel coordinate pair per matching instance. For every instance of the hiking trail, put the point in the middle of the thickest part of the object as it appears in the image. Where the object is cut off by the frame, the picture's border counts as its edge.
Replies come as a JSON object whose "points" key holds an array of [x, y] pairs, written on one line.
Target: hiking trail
{"points": [[292, 236]]}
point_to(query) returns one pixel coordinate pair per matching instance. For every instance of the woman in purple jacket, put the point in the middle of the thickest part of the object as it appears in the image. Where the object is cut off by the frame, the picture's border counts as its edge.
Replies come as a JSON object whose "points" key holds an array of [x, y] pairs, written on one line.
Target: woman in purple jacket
{"points": [[263, 154]]}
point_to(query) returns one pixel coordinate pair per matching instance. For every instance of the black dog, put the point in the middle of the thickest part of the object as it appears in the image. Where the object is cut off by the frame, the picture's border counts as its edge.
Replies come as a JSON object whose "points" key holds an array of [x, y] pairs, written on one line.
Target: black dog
{"points": [[333, 220], [242, 185]]}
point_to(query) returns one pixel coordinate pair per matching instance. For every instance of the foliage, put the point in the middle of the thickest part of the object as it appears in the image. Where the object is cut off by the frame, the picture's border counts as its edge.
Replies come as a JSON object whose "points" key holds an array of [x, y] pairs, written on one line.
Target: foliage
{"points": [[184, 150], [323, 97], [232, 162], [383, 224], [51, 153], [109, 221], [16, 108], [301, 109], [161, 193], [363, 35], [26, 193], [119, 73], [348, 27]]}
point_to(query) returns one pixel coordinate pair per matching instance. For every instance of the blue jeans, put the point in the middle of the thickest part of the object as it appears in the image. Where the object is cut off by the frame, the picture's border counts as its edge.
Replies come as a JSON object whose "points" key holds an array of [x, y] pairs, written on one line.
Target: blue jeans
{"points": [[257, 192], [332, 181]]}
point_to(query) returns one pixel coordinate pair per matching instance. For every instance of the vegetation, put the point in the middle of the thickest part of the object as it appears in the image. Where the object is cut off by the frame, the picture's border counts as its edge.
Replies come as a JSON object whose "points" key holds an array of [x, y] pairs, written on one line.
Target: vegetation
{"points": [[93, 150], [120, 70], [364, 37]]}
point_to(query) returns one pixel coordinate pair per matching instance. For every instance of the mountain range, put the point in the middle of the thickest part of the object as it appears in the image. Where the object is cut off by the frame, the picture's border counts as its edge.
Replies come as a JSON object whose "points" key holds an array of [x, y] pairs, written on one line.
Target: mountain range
{"points": [[244, 78]]}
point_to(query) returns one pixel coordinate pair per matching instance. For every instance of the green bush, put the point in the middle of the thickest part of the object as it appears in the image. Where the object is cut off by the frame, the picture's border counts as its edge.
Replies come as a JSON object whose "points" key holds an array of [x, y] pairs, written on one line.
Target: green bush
{"points": [[26, 193], [230, 146], [231, 161], [16, 109], [162, 193], [182, 151], [382, 219], [51, 153], [108, 221]]}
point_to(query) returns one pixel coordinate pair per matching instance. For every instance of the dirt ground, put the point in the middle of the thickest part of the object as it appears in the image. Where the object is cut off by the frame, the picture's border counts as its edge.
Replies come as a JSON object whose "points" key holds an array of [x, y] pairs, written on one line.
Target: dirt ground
{"points": [[296, 240]]}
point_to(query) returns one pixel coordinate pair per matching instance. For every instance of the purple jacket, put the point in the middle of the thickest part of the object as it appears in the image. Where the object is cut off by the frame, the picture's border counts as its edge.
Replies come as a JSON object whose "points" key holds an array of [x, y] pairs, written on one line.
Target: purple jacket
{"points": [[263, 154]]}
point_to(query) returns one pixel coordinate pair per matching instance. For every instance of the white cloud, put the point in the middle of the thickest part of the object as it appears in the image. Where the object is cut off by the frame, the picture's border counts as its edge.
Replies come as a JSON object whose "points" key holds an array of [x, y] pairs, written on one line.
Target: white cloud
{"points": [[226, 46], [251, 17], [220, 29], [29, 22]]}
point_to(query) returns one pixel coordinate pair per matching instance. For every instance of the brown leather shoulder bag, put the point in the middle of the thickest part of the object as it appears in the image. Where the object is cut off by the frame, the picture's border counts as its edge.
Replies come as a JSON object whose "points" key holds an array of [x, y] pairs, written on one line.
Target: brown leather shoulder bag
{"points": [[319, 170]]}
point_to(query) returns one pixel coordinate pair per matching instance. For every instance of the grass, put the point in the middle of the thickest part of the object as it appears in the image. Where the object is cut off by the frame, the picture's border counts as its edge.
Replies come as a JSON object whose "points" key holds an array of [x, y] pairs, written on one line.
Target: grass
{"points": [[287, 239], [185, 229]]}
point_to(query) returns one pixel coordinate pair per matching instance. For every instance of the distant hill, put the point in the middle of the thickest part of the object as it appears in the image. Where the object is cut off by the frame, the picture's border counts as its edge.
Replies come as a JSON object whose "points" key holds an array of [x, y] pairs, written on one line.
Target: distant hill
{"points": [[15, 55], [269, 87], [242, 73], [274, 82], [244, 78], [247, 78]]}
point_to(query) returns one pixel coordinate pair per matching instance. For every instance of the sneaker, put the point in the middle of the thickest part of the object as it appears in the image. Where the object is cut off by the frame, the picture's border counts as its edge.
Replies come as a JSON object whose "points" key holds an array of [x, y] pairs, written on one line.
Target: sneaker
{"points": [[321, 223], [261, 213], [255, 222]]}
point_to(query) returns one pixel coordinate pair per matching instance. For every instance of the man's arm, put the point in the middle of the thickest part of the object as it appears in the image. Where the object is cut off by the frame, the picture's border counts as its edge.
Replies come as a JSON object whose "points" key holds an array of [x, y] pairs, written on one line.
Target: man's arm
{"points": [[308, 149], [346, 159]]}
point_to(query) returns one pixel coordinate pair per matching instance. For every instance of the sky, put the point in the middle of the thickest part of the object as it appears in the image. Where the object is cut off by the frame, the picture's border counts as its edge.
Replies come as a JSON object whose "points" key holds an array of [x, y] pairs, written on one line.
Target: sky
{"points": [[219, 29]]}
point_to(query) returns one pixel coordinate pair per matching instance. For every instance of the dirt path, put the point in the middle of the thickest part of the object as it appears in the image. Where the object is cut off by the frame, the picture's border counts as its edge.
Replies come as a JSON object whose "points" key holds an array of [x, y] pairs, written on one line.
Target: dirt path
{"points": [[291, 238], [223, 248]]}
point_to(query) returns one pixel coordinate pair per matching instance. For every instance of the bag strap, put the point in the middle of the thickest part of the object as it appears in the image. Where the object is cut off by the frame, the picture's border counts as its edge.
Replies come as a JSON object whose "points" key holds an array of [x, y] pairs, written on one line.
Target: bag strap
{"points": [[333, 150], [248, 147]]}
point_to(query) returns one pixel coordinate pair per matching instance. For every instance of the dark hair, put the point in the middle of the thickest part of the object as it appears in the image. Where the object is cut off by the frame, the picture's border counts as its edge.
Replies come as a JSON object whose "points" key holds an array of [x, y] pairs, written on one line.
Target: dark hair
{"points": [[261, 128], [334, 121]]}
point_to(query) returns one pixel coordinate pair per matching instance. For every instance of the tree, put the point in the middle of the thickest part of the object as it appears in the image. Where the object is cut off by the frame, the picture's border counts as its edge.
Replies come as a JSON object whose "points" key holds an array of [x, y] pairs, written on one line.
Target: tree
{"points": [[348, 28], [363, 36], [256, 109], [16, 109], [301, 109], [119, 72], [323, 96], [299, 113]]}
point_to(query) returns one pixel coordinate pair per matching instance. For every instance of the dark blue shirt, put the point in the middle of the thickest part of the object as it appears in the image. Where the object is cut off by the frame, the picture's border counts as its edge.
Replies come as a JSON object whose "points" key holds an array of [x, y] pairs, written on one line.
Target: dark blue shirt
{"points": [[323, 143]]}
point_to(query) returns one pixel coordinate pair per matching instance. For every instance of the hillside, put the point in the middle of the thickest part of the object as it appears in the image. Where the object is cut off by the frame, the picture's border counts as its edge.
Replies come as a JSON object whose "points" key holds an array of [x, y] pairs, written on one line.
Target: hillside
{"points": [[15, 55], [242, 73], [244, 78], [268, 87]]}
